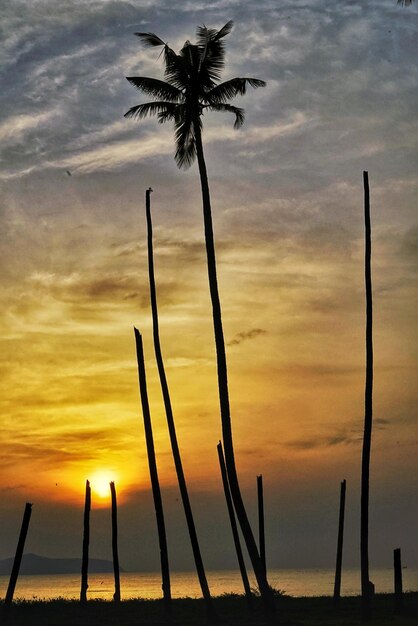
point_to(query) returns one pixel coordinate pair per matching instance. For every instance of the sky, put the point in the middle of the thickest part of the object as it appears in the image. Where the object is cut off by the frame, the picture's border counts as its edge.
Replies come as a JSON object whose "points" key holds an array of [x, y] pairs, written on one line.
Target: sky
{"points": [[288, 217]]}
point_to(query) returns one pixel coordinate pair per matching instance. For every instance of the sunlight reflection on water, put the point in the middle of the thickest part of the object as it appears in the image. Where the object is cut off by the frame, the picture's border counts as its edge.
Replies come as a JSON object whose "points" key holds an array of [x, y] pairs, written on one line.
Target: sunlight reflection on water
{"points": [[312, 582]]}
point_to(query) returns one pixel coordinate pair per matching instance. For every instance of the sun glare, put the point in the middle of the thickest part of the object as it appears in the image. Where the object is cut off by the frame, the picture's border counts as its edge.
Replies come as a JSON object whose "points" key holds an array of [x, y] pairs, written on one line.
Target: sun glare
{"points": [[99, 483]]}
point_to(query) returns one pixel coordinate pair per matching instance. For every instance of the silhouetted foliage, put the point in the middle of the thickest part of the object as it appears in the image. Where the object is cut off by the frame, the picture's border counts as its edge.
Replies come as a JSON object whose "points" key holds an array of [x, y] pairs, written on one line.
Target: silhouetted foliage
{"points": [[191, 87]]}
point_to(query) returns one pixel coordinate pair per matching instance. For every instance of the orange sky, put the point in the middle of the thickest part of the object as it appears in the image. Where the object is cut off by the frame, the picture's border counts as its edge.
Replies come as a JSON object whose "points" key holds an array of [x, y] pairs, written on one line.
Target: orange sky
{"points": [[294, 328], [287, 205]]}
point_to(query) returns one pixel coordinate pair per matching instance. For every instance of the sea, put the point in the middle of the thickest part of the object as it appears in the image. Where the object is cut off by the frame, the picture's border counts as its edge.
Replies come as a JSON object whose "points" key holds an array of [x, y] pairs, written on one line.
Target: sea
{"points": [[294, 582]]}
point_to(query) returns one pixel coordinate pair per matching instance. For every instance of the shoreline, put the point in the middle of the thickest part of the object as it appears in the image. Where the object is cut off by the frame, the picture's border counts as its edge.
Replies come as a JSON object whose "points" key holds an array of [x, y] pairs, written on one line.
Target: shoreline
{"points": [[294, 583], [231, 609]]}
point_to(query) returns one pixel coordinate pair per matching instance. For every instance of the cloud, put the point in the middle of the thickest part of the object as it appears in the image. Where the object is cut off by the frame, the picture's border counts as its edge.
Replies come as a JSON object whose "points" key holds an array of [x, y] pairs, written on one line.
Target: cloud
{"points": [[67, 446], [348, 436], [287, 209], [108, 154], [244, 336], [15, 128], [408, 244], [313, 443]]}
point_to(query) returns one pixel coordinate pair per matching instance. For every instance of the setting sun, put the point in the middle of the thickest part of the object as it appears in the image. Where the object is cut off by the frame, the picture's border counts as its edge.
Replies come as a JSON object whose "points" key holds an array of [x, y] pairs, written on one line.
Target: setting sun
{"points": [[100, 483], [262, 297]]}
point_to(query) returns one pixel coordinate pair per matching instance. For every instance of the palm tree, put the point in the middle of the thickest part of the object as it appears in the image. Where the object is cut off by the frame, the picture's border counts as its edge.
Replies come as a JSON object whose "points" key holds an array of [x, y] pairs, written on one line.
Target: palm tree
{"points": [[192, 87]]}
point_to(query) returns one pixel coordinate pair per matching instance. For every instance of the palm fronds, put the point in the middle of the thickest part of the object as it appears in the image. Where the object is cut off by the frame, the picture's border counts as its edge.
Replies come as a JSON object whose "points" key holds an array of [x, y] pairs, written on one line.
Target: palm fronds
{"points": [[239, 113], [156, 88], [185, 141], [232, 88], [150, 39], [151, 108], [192, 83]]}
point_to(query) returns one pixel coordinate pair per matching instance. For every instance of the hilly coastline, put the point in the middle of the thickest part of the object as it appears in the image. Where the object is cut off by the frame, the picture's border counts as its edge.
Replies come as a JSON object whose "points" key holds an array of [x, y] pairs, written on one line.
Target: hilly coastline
{"points": [[33, 564]]}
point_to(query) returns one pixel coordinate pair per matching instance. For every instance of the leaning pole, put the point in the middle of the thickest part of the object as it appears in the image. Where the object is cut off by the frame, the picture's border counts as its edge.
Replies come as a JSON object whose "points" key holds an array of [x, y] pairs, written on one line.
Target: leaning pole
{"points": [[170, 419], [17, 560], [155, 483]]}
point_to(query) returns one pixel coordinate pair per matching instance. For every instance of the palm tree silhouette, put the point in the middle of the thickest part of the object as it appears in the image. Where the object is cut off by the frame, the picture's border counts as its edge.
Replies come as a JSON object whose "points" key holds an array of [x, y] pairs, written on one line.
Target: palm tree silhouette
{"points": [[191, 87]]}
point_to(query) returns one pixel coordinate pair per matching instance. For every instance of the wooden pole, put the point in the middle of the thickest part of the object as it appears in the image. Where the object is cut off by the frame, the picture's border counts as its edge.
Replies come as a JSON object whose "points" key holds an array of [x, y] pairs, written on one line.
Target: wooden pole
{"points": [[170, 420], [86, 541], [339, 561], [18, 559], [155, 484], [116, 595], [397, 566], [261, 530], [234, 528], [366, 585]]}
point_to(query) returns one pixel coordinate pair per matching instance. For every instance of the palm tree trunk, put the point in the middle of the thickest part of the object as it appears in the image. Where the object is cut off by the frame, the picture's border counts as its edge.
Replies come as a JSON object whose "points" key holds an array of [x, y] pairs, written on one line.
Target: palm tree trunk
{"points": [[170, 419], [116, 595], [155, 483], [86, 541], [366, 585], [234, 528], [244, 523]]}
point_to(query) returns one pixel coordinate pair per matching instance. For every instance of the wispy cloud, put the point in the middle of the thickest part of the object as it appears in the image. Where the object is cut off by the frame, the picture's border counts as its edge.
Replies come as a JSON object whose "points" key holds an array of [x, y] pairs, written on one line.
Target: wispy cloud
{"points": [[14, 129], [245, 335], [342, 437]]}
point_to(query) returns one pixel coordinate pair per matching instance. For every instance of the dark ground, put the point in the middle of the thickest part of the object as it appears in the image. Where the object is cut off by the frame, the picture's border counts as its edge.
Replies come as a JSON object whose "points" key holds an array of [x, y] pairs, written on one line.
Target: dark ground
{"points": [[232, 611]]}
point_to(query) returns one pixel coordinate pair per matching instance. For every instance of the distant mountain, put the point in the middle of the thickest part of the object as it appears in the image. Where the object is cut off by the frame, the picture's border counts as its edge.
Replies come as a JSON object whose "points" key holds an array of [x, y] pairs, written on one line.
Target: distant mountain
{"points": [[34, 564]]}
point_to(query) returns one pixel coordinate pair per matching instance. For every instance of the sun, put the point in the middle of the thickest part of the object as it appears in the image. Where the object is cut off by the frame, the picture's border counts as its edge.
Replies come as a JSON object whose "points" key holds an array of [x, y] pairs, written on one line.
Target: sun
{"points": [[99, 483]]}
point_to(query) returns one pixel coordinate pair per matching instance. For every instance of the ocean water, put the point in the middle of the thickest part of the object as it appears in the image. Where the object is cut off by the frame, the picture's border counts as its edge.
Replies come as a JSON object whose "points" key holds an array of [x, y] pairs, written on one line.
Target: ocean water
{"points": [[294, 582]]}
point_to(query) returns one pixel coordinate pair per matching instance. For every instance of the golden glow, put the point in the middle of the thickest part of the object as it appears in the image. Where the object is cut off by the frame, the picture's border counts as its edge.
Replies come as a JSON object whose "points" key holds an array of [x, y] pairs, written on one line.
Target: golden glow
{"points": [[294, 332], [100, 483]]}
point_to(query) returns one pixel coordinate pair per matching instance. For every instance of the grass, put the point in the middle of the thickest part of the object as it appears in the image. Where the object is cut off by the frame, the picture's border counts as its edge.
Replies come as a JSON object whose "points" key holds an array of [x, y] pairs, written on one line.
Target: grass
{"points": [[231, 608]]}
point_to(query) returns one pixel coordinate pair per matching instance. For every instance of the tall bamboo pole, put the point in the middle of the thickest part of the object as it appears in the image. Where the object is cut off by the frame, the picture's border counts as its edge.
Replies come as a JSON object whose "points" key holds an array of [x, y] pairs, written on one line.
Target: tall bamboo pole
{"points": [[155, 483], [338, 565], [261, 529], [17, 560], [86, 541], [366, 585], [234, 528], [170, 418], [116, 595]]}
